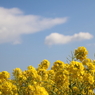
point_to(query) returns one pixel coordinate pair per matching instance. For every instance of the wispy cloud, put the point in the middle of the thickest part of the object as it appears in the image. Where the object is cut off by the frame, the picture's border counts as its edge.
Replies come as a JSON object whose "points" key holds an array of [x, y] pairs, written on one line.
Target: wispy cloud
{"points": [[13, 23], [56, 38]]}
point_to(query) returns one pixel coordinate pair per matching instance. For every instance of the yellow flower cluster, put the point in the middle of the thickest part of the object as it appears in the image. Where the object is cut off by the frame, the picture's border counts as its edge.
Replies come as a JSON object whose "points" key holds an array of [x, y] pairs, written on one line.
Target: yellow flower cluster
{"points": [[81, 53], [74, 78]]}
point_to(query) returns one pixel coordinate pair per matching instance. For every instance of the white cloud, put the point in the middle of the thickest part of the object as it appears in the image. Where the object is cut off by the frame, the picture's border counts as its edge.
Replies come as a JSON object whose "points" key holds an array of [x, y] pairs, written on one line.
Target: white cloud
{"points": [[56, 38], [13, 23]]}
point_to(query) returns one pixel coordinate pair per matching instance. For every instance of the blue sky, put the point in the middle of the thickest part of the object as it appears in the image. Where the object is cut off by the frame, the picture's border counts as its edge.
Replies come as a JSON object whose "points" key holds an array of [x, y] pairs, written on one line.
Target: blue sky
{"points": [[34, 30]]}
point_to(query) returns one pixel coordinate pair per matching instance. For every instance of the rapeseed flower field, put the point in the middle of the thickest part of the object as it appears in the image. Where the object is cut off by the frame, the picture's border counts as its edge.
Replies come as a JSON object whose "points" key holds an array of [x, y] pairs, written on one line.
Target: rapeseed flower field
{"points": [[77, 77]]}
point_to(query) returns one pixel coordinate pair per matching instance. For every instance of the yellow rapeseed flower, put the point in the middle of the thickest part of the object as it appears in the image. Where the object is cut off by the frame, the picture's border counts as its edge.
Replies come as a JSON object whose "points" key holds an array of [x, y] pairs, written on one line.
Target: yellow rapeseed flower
{"points": [[81, 53]]}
